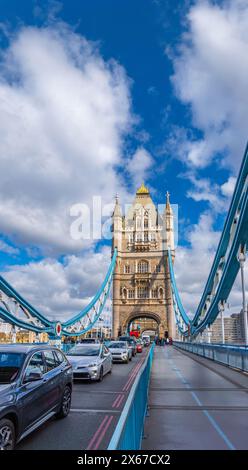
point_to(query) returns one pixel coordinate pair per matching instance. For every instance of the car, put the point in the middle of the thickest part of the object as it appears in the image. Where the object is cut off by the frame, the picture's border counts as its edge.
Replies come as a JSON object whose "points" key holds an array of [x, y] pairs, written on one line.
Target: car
{"points": [[35, 384], [120, 351], [90, 361], [131, 342], [139, 348], [146, 340]]}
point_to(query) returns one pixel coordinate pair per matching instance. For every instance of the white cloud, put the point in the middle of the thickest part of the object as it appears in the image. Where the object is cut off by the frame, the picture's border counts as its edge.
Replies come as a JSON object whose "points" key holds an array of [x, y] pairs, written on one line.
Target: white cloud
{"points": [[203, 189], [58, 290], [193, 264], [210, 75], [6, 248], [64, 114], [228, 187], [139, 165]]}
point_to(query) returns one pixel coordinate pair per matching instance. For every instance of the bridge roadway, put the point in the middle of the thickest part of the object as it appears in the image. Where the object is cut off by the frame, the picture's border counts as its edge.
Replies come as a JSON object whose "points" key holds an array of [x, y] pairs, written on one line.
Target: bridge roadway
{"points": [[195, 403], [95, 410]]}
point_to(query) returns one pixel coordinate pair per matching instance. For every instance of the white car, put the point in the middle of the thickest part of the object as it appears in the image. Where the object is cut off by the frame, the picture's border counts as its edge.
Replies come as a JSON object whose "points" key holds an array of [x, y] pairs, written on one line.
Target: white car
{"points": [[146, 340], [90, 361], [120, 351]]}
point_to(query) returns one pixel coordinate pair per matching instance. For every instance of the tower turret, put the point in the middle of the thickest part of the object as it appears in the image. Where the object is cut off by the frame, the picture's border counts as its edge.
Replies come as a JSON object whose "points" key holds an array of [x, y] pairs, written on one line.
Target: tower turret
{"points": [[168, 224], [117, 225]]}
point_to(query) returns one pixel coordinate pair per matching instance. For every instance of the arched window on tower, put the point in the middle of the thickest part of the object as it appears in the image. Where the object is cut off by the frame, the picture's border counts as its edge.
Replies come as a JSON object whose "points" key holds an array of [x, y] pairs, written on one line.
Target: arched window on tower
{"points": [[143, 267], [127, 269], [138, 223], [146, 237], [161, 293], [124, 293], [154, 293], [153, 236]]}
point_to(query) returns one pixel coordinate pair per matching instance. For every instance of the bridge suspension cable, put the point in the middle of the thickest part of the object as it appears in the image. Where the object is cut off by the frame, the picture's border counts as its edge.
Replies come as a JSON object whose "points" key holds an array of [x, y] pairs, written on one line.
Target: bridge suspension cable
{"points": [[225, 267], [14, 309]]}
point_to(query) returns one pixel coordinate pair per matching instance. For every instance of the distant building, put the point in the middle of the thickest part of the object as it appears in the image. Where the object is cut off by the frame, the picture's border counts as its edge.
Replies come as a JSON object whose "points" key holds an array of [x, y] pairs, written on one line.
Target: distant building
{"points": [[5, 328], [141, 281], [234, 331]]}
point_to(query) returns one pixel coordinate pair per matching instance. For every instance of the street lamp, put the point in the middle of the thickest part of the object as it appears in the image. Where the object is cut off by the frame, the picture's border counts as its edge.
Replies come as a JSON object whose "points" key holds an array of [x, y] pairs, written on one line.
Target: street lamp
{"points": [[100, 320], [241, 259]]}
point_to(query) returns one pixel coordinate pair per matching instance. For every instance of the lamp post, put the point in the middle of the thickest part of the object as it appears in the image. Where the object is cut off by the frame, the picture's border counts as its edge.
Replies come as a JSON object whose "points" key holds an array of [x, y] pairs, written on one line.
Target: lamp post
{"points": [[221, 307], [241, 259], [100, 320]]}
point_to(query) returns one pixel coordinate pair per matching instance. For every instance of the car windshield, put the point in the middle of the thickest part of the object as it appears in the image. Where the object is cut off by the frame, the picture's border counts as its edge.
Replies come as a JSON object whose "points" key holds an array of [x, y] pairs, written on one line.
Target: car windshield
{"points": [[119, 345], [10, 365], [84, 350]]}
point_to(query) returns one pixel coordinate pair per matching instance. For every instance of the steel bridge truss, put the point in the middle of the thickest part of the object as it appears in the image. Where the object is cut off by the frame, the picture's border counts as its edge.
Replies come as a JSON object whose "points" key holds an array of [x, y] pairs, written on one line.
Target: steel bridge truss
{"points": [[15, 310], [229, 258]]}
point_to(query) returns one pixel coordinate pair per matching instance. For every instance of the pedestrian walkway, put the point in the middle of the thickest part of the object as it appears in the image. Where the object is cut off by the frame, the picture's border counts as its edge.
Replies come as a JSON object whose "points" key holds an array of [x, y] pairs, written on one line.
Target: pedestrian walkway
{"points": [[195, 403]]}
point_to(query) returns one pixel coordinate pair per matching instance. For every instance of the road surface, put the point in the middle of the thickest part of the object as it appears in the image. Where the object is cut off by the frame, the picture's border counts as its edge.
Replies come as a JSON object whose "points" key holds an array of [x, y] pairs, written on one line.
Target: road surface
{"points": [[195, 404], [94, 413]]}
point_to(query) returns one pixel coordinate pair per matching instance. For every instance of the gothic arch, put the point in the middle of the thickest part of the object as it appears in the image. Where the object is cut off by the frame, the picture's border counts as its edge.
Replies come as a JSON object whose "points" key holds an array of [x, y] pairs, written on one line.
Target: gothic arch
{"points": [[136, 315]]}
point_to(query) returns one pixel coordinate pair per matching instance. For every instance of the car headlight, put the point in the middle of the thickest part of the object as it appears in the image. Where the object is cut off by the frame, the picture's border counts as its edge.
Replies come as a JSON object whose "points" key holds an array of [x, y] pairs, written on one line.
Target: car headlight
{"points": [[94, 364]]}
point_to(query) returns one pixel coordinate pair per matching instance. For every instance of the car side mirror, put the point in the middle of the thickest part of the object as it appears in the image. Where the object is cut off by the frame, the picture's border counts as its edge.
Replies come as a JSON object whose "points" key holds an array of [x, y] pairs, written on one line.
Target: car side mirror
{"points": [[33, 376]]}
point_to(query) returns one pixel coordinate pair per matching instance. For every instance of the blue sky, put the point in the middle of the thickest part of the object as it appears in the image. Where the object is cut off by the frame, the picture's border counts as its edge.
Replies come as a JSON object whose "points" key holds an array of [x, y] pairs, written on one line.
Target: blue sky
{"points": [[175, 91]]}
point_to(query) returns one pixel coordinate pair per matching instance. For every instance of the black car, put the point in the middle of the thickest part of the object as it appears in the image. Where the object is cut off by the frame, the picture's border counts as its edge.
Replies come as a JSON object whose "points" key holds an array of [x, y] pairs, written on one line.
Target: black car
{"points": [[35, 384], [131, 342]]}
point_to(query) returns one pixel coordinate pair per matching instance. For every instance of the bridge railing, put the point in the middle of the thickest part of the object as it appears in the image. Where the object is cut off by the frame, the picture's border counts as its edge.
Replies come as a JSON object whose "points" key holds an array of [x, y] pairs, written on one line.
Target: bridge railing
{"points": [[229, 355], [129, 430]]}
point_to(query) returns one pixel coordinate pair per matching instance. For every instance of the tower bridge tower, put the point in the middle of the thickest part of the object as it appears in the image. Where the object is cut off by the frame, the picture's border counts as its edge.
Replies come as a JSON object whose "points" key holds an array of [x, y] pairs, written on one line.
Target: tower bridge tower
{"points": [[141, 281]]}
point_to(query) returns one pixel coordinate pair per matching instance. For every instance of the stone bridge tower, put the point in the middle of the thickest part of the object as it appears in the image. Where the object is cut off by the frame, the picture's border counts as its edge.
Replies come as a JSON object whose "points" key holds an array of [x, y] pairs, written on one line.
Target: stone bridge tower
{"points": [[141, 282]]}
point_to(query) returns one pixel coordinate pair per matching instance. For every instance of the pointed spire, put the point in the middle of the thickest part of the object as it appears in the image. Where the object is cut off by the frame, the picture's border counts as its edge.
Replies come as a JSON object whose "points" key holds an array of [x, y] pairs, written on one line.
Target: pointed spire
{"points": [[167, 198], [117, 209], [168, 208], [142, 190]]}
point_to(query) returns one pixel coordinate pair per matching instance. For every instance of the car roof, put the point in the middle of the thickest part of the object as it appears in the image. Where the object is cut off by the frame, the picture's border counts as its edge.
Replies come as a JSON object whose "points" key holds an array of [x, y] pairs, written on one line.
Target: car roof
{"points": [[86, 345], [24, 348], [119, 341]]}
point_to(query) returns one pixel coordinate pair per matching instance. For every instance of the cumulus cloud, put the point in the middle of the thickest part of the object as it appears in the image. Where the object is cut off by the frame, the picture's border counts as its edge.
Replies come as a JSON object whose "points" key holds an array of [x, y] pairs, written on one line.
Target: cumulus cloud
{"points": [[210, 75], [6, 248], [60, 290], [203, 189], [227, 188], [193, 264], [139, 165], [64, 114]]}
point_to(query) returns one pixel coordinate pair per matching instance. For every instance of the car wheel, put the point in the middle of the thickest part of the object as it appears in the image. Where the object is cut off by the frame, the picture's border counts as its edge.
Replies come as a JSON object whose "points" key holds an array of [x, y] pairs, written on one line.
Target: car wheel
{"points": [[7, 434], [110, 370], [66, 403], [100, 375]]}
